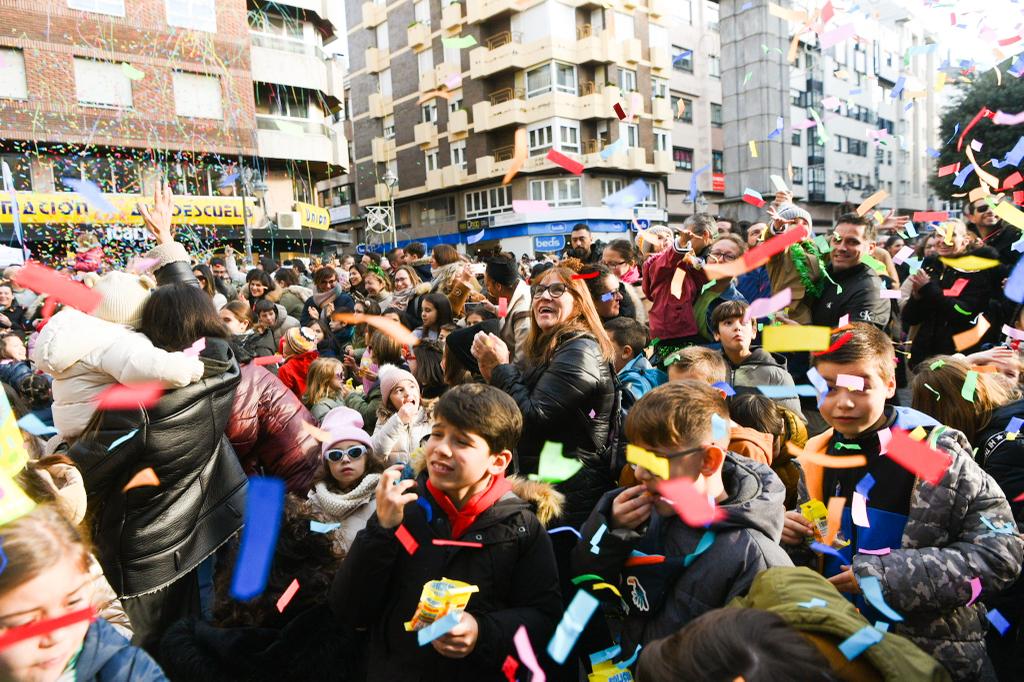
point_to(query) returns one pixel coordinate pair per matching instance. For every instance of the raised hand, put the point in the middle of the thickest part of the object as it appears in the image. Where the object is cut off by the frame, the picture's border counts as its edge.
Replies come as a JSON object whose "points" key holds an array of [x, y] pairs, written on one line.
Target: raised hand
{"points": [[158, 219]]}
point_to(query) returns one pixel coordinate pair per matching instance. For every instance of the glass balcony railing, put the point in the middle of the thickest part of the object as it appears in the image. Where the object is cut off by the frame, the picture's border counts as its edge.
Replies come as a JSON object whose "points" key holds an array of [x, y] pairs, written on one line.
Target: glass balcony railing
{"points": [[272, 42], [286, 124]]}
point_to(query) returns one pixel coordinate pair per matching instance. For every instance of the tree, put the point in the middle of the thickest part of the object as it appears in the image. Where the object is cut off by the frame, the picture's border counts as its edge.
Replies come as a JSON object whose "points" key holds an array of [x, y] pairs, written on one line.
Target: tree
{"points": [[997, 140]]}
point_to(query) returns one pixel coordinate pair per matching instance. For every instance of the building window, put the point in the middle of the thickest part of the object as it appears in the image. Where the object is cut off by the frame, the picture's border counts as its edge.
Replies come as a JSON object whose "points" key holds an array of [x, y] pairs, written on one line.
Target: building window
{"points": [[458, 153], [389, 127], [682, 59], [682, 109], [661, 141], [569, 137], [625, 28], [627, 80], [102, 84], [714, 66], [114, 8], [557, 191], [21, 171], [798, 176], [421, 10], [200, 15], [197, 96], [716, 115], [437, 210], [682, 10], [489, 201], [632, 135], [381, 37], [284, 101], [849, 145], [425, 60], [428, 113], [610, 186], [540, 140], [717, 161], [454, 104], [653, 194], [430, 160], [12, 74], [796, 138], [711, 14], [683, 158], [659, 87], [539, 80]]}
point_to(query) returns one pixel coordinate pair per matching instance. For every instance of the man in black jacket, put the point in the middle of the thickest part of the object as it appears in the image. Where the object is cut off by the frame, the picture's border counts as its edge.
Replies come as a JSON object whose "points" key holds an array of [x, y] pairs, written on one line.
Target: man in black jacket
{"points": [[982, 221], [851, 287], [582, 239]]}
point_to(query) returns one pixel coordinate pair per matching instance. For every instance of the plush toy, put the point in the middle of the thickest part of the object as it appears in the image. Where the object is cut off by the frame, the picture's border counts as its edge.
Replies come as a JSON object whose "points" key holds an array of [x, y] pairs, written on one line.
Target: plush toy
{"points": [[88, 253]]}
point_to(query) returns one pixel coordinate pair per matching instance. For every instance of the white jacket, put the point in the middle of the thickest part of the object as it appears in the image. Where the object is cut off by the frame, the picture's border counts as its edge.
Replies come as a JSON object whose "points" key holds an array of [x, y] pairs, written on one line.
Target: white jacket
{"points": [[395, 441], [86, 355]]}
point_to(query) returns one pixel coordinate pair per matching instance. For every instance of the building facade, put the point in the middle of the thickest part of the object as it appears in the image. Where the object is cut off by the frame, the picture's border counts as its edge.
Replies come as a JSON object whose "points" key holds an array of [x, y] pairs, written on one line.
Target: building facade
{"points": [[440, 90]]}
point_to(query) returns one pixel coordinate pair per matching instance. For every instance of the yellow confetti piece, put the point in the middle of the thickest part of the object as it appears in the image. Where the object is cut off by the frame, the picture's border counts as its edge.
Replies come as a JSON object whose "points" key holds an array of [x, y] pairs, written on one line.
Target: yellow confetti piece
{"points": [[789, 337], [606, 586], [984, 176], [940, 81], [918, 434], [14, 503], [970, 263], [1010, 214], [753, 149], [648, 460]]}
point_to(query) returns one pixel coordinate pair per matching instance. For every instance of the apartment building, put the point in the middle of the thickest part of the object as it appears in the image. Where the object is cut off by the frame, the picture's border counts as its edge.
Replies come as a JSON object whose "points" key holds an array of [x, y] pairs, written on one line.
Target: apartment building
{"points": [[221, 97], [439, 90]]}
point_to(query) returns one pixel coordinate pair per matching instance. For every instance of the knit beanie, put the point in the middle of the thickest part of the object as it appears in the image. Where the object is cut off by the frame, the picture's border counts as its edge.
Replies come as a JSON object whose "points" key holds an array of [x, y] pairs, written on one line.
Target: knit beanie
{"points": [[792, 212], [389, 376], [343, 423], [298, 340], [122, 298]]}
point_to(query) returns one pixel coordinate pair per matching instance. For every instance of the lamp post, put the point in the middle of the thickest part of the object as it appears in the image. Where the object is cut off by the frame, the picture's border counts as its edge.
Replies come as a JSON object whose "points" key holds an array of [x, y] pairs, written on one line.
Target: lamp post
{"points": [[391, 180], [259, 190]]}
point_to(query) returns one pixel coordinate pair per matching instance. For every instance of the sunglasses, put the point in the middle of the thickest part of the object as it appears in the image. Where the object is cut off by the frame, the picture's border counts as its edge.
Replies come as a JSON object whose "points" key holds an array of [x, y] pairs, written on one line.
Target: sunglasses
{"points": [[984, 208], [353, 453], [555, 290]]}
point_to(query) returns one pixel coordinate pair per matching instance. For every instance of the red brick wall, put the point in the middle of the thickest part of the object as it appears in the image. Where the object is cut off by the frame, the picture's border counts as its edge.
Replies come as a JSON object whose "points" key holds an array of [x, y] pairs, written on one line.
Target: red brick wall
{"points": [[51, 36]]}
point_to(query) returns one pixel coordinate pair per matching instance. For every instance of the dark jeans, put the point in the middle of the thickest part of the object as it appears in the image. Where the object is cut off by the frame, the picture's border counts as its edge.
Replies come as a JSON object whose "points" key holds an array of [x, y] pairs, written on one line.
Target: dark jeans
{"points": [[152, 614]]}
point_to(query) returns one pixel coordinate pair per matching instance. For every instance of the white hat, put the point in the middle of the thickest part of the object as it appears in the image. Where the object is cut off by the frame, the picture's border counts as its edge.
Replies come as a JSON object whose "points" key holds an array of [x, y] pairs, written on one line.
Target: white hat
{"points": [[123, 297]]}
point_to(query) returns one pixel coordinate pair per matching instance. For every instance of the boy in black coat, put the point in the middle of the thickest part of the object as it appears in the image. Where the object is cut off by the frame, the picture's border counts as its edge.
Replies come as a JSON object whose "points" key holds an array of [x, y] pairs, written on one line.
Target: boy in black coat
{"points": [[462, 496]]}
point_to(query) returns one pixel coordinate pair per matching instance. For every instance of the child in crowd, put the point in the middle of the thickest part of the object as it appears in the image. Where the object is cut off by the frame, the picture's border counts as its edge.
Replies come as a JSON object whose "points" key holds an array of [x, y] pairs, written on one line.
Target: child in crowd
{"points": [[436, 312], [299, 350], [463, 495], [46, 575], [14, 363], [428, 368], [272, 323], [749, 367], [344, 490], [87, 354], [697, 363], [674, 422], [478, 314], [922, 542], [402, 421], [324, 387], [386, 351], [762, 428], [446, 329], [635, 372]]}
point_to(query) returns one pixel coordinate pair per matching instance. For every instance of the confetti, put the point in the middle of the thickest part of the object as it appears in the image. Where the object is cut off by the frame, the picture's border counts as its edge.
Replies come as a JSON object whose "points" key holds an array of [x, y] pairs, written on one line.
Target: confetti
{"points": [[459, 43], [58, 287], [930, 216], [975, 590], [525, 651], [263, 508], [474, 238], [648, 460], [92, 194], [438, 542], [146, 477], [529, 206], [872, 201], [264, 360], [676, 286], [917, 457], [859, 511], [753, 197], [553, 467], [386, 325], [968, 263], [836, 35], [131, 72], [30, 423], [860, 641], [320, 527], [970, 385], [519, 156], [42, 627], [973, 335], [827, 461], [791, 338], [850, 381], [439, 628], [693, 507], [997, 619], [130, 396], [403, 535], [563, 161], [287, 595], [502, 307], [575, 618]]}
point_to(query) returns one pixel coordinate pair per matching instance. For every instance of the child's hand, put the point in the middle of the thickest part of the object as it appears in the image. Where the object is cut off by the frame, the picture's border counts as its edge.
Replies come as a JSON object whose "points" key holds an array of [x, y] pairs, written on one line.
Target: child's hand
{"points": [[846, 581], [407, 412], [460, 641], [795, 528], [392, 498], [631, 508], [313, 312], [158, 220]]}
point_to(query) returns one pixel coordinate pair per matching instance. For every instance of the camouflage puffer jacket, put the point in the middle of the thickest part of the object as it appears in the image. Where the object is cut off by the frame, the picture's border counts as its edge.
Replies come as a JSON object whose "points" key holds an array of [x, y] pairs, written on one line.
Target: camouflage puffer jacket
{"points": [[955, 531]]}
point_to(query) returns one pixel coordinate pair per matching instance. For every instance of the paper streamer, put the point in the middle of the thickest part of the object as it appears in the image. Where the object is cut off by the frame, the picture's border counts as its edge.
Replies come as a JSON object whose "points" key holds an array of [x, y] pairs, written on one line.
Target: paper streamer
{"points": [[519, 156], [130, 396], [525, 651], [440, 627], [860, 641], [92, 195], [872, 590], [320, 527], [394, 329], [975, 590], [42, 627], [263, 508], [43, 280], [559, 159], [123, 439], [575, 618], [287, 595]]}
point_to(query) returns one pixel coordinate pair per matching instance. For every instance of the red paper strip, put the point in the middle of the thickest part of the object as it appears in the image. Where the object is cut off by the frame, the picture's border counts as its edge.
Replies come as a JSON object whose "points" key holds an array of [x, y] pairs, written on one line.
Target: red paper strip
{"points": [[619, 112], [928, 216], [264, 360], [407, 540], [1008, 41], [692, 506], [49, 308], [287, 595], [836, 345], [984, 113], [589, 275], [43, 280], [760, 254], [951, 169], [560, 159], [509, 667], [130, 396], [1018, 198], [645, 560], [917, 457], [41, 627], [1012, 180], [502, 307], [957, 288], [753, 201], [1019, 498], [456, 543]]}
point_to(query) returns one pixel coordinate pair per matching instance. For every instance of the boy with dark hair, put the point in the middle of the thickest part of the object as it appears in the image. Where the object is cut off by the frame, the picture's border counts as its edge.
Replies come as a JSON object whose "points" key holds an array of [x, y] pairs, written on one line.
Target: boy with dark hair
{"points": [[635, 372], [462, 496], [749, 367], [415, 255], [918, 545], [697, 363], [704, 567]]}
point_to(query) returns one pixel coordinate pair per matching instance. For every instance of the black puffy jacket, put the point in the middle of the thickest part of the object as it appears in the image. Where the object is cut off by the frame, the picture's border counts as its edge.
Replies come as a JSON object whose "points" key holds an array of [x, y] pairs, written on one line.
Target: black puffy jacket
{"points": [[149, 536], [858, 297]]}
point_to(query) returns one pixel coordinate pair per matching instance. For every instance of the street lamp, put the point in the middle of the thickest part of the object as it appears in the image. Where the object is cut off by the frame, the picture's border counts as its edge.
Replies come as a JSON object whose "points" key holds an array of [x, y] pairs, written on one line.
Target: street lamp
{"points": [[391, 180], [259, 190]]}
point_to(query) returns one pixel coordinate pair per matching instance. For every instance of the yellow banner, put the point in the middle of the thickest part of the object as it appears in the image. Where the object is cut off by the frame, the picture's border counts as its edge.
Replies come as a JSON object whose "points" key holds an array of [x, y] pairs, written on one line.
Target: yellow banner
{"points": [[313, 217], [37, 208]]}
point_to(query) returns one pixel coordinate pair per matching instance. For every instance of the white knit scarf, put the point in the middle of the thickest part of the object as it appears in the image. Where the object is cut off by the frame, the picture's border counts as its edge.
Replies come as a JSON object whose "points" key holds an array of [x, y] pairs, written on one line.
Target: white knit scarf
{"points": [[339, 506]]}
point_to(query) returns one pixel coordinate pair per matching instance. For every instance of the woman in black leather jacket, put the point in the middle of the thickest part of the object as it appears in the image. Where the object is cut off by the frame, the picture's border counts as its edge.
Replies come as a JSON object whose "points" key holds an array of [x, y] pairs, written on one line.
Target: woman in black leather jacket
{"points": [[566, 392]]}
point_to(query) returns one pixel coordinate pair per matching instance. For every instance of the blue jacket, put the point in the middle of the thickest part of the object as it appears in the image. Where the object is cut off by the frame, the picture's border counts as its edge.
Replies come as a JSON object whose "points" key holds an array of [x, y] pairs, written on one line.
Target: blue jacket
{"points": [[108, 657], [755, 284], [639, 377], [13, 372]]}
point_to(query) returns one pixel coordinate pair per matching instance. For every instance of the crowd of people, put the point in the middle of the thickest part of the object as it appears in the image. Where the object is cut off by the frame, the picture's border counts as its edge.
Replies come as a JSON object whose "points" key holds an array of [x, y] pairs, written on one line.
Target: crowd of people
{"points": [[599, 465]]}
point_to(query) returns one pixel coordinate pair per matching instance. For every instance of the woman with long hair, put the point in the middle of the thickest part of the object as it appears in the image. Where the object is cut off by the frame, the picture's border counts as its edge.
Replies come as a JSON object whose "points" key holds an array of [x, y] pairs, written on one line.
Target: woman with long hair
{"points": [[407, 282], [566, 391], [210, 284], [257, 285], [324, 387], [356, 285]]}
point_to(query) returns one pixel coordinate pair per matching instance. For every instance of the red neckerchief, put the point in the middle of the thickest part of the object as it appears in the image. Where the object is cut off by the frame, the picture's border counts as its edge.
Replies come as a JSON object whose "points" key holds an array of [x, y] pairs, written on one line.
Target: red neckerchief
{"points": [[462, 519]]}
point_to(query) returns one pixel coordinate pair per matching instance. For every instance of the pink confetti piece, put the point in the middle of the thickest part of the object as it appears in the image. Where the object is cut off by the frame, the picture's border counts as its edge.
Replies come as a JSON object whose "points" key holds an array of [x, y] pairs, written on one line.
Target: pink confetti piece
{"points": [[975, 590], [884, 437], [894, 294], [762, 307], [690, 504], [130, 396], [844, 320], [836, 35], [1004, 119], [529, 206], [196, 348], [875, 552], [850, 381], [525, 651], [1013, 333], [859, 511], [502, 307], [902, 255], [140, 265], [287, 595]]}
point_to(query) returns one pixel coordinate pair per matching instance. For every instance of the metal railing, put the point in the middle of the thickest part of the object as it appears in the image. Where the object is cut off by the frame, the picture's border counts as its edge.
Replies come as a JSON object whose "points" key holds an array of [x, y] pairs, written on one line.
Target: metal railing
{"points": [[285, 124], [504, 153], [584, 31], [588, 88], [506, 94], [283, 44], [591, 146], [503, 38]]}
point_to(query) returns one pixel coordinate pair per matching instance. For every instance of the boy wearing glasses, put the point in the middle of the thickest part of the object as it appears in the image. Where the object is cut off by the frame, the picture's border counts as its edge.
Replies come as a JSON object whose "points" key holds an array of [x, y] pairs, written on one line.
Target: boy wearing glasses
{"points": [[690, 570], [460, 519]]}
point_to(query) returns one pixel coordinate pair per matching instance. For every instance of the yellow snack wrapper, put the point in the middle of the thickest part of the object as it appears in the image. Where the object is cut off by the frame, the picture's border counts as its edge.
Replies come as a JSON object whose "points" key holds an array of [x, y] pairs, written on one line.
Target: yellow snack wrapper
{"points": [[438, 598], [815, 512]]}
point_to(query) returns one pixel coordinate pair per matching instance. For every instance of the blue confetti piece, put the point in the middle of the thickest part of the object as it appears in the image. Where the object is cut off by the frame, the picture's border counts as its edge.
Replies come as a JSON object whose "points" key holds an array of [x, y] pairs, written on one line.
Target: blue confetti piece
{"points": [[565, 529], [962, 176], [719, 427], [706, 541], [596, 540], [606, 655], [882, 626], [1004, 529], [897, 89], [264, 504], [613, 148], [628, 197], [865, 485], [1014, 425], [932, 153], [474, 238], [629, 661], [1017, 70], [123, 439], [608, 296], [746, 6], [815, 603], [3, 557], [227, 180], [779, 392], [693, 181], [1014, 289], [998, 621], [34, 425], [818, 381], [575, 618], [956, 131], [91, 193], [825, 549], [681, 56], [725, 388], [428, 511], [872, 590], [319, 527], [439, 628], [860, 641]]}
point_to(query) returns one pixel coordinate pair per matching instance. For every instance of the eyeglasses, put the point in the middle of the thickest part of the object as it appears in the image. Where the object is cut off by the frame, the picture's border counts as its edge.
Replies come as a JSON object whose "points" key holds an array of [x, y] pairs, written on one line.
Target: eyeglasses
{"points": [[723, 256], [613, 265], [683, 453], [984, 208], [353, 453], [552, 290]]}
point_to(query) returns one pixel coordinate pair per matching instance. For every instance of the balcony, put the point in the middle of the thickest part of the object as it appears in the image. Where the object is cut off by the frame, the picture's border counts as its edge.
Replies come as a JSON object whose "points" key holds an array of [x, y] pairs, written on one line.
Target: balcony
{"points": [[509, 106], [505, 51], [428, 81], [380, 105], [630, 4], [453, 176], [637, 157], [448, 74], [481, 10], [377, 59], [280, 137], [631, 50], [294, 63], [418, 36], [451, 17], [382, 150], [458, 124], [662, 110], [425, 134], [663, 162], [660, 59], [504, 107], [373, 14], [435, 179]]}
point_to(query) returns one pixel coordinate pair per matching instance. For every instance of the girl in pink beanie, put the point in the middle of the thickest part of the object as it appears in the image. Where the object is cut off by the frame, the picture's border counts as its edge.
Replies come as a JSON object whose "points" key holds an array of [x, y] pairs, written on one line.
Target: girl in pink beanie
{"points": [[402, 419]]}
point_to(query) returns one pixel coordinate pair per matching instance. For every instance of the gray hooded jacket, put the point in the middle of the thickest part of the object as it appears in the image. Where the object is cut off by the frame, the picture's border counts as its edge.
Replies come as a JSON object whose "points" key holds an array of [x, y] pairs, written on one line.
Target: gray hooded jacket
{"points": [[762, 368]]}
